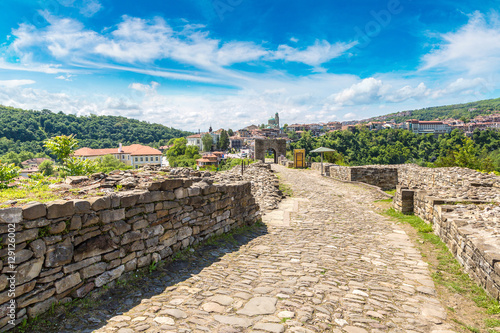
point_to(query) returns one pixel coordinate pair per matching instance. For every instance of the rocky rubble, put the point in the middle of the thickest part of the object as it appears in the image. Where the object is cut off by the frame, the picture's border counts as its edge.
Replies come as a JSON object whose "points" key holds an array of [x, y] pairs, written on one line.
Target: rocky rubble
{"points": [[265, 185]]}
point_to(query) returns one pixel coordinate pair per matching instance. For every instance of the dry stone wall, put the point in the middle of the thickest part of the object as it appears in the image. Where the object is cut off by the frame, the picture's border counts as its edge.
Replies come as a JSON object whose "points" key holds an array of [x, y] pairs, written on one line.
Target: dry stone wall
{"points": [[463, 207], [385, 177], [65, 249]]}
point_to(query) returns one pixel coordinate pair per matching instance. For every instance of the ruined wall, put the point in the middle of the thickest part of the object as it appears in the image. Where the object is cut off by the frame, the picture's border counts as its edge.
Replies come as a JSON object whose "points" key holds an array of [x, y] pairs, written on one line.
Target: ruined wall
{"points": [[316, 166], [462, 206], [64, 249], [385, 177]]}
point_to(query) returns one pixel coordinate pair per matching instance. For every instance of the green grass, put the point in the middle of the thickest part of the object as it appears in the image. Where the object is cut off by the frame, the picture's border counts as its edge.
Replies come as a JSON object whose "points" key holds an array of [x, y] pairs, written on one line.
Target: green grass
{"points": [[448, 272], [286, 189], [391, 192], [26, 194]]}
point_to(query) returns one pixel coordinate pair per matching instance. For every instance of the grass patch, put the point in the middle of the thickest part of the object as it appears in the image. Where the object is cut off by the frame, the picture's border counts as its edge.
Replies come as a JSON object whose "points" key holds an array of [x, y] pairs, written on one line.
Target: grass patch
{"points": [[448, 272], [384, 200], [391, 192], [286, 189], [26, 194]]}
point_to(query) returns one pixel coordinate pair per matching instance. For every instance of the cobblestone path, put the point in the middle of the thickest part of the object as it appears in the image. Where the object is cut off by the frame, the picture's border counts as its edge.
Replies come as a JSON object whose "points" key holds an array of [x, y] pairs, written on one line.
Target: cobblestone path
{"points": [[327, 264]]}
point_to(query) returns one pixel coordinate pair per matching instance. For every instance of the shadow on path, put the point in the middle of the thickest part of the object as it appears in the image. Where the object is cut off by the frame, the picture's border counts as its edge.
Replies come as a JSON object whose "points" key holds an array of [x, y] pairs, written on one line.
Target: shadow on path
{"points": [[93, 312]]}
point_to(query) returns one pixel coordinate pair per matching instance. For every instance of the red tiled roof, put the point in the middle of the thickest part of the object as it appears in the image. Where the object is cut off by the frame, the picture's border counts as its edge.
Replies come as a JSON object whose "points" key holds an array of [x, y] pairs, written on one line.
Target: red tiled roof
{"points": [[134, 149], [37, 161], [195, 136]]}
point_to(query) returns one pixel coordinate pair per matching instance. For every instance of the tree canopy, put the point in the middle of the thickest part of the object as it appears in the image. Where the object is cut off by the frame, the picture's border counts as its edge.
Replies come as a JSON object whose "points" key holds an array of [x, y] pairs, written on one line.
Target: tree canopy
{"points": [[25, 130]]}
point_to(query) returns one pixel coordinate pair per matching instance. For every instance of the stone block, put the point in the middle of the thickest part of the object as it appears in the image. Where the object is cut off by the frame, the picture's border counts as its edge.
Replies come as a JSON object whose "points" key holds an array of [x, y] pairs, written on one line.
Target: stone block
{"points": [[35, 296], [20, 290], [34, 210], [26, 235], [131, 236], [41, 307], [76, 223], [120, 227], [57, 228], [60, 208], [108, 216], [109, 276], [81, 206], [181, 193], [11, 215], [100, 203], [184, 232], [144, 261], [83, 290], [22, 256], [59, 254], [67, 282], [93, 247], [128, 199], [171, 184], [81, 264], [93, 270]]}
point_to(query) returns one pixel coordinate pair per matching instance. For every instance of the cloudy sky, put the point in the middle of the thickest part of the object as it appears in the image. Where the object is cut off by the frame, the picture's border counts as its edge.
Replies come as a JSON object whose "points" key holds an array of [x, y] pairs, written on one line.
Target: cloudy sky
{"points": [[230, 63]]}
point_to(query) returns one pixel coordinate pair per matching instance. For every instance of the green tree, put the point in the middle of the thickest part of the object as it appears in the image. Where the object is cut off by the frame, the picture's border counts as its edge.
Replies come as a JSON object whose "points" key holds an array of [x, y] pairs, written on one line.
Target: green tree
{"points": [[224, 140], [62, 146], [109, 163], [230, 132], [46, 168], [7, 173], [77, 166], [207, 142]]}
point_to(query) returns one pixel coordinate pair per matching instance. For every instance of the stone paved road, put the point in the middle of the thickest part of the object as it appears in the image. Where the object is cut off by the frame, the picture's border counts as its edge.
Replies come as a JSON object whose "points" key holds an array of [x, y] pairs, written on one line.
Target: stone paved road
{"points": [[327, 264]]}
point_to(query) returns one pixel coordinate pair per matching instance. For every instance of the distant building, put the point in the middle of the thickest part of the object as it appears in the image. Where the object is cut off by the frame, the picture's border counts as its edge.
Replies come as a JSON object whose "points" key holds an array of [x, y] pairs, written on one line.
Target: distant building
{"points": [[235, 142], [207, 159], [135, 155], [427, 127], [34, 162], [195, 140], [274, 122]]}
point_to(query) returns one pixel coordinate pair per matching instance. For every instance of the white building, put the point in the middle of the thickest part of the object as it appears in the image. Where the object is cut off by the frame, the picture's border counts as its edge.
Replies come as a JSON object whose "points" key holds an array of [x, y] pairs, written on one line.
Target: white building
{"points": [[135, 155], [427, 127]]}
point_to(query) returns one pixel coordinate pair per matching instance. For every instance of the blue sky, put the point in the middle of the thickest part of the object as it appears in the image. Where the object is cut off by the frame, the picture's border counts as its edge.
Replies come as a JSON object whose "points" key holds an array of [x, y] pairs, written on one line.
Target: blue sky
{"points": [[231, 63]]}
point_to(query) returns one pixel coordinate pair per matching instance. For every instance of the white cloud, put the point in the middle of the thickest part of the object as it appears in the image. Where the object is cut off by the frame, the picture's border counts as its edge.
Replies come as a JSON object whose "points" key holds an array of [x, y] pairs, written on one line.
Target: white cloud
{"points": [[463, 86], [408, 92], [367, 91], [15, 83], [90, 8], [314, 55], [349, 116], [137, 40], [63, 38], [144, 88], [67, 77], [474, 48]]}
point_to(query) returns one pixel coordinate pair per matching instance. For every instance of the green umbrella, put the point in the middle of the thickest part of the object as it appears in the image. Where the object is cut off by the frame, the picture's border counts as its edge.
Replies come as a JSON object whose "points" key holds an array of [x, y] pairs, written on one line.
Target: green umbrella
{"points": [[322, 150]]}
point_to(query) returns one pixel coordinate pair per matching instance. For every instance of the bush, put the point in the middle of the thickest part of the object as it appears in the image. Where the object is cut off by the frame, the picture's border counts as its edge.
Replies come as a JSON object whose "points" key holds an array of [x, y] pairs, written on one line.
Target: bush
{"points": [[46, 168], [7, 173], [75, 166]]}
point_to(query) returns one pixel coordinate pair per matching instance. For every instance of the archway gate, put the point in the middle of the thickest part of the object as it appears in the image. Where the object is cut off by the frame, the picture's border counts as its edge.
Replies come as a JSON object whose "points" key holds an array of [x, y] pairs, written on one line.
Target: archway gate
{"points": [[263, 145]]}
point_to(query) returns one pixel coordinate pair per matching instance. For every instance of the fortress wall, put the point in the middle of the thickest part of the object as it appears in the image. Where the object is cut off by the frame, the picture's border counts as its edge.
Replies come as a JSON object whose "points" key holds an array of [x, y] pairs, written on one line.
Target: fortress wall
{"points": [[62, 250], [462, 207], [385, 177]]}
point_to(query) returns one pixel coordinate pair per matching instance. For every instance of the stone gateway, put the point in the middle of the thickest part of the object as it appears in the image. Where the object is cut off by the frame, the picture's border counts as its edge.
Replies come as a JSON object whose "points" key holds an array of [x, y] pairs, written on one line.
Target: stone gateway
{"points": [[263, 145]]}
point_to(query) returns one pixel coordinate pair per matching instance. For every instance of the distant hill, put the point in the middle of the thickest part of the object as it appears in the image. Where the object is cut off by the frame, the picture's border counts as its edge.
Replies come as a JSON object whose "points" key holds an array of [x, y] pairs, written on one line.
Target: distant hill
{"points": [[26, 129], [457, 111]]}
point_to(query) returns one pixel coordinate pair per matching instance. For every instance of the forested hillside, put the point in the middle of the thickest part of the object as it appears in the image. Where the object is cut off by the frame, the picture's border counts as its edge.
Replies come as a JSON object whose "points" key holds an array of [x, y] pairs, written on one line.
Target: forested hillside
{"points": [[455, 111], [24, 130], [396, 146]]}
